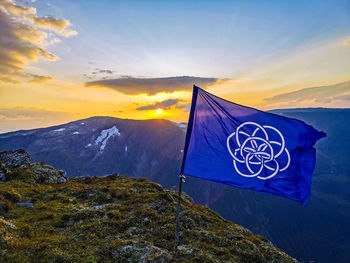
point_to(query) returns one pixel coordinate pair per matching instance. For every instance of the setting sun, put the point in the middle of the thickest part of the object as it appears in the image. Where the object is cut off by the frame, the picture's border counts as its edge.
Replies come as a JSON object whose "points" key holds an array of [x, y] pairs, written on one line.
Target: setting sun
{"points": [[159, 111]]}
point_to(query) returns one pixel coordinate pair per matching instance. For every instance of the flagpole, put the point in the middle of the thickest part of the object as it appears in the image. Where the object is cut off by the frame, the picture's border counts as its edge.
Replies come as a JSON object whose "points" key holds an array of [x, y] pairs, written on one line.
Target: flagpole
{"points": [[178, 214], [181, 176]]}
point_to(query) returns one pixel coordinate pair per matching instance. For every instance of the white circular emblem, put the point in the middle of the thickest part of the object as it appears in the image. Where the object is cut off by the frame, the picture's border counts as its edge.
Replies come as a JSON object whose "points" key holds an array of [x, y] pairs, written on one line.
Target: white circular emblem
{"points": [[254, 147]]}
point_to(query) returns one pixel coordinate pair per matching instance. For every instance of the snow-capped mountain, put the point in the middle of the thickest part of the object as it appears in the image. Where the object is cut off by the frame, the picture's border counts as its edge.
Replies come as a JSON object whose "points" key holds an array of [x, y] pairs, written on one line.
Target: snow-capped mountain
{"points": [[104, 145], [152, 148]]}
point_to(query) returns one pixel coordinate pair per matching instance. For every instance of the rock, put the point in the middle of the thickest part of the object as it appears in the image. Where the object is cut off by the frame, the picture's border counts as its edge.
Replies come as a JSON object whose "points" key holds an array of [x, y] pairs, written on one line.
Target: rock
{"points": [[185, 250], [97, 207], [2, 174], [17, 158], [48, 174], [6, 231], [83, 178], [26, 204], [146, 220], [61, 180], [143, 252]]}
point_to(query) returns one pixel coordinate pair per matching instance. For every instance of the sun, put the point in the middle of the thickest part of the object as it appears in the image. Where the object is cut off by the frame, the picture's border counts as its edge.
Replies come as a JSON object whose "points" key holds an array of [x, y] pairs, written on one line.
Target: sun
{"points": [[159, 111]]}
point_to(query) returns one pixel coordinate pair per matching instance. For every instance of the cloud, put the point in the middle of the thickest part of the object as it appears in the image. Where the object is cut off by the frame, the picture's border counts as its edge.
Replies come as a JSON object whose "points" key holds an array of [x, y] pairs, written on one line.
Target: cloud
{"points": [[347, 42], [39, 79], [185, 107], [99, 73], [314, 95], [29, 34], [107, 71], [29, 118], [152, 86], [60, 26], [166, 104], [344, 97], [17, 51], [21, 42], [9, 7], [23, 113]]}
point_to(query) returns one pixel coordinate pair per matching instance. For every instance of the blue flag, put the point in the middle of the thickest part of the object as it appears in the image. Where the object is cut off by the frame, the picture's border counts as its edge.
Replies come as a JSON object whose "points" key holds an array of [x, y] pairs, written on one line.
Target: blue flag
{"points": [[247, 148]]}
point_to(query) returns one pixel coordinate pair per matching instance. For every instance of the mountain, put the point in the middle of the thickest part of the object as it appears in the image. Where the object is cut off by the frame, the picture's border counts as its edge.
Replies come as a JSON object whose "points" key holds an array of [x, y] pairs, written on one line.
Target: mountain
{"points": [[112, 219], [102, 145], [152, 148]]}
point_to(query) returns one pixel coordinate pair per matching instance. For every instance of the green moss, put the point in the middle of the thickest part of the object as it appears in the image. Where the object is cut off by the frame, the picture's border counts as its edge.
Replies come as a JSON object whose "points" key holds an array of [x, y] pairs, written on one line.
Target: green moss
{"points": [[11, 194], [24, 174], [117, 219]]}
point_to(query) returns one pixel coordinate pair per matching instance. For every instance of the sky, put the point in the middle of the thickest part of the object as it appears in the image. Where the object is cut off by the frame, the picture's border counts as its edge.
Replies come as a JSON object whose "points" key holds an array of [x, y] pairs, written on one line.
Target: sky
{"points": [[65, 60]]}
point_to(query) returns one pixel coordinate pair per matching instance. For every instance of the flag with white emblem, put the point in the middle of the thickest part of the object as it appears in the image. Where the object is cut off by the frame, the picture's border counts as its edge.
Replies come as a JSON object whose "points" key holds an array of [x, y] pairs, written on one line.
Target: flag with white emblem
{"points": [[248, 148]]}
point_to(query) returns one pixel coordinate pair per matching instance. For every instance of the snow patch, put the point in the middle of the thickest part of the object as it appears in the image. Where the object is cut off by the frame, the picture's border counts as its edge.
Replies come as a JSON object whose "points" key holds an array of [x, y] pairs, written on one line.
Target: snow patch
{"points": [[76, 132], [82, 123], [59, 130], [105, 135], [89, 145], [181, 125], [126, 148]]}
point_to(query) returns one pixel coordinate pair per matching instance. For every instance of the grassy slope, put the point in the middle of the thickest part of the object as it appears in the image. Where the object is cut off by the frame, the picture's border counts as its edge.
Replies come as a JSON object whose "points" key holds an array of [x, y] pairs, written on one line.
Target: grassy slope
{"points": [[116, 219]]}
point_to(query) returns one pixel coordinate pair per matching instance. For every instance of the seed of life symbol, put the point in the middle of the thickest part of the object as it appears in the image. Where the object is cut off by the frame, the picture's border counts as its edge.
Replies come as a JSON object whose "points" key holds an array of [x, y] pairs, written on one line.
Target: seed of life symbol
{"points": [[258, 150]]}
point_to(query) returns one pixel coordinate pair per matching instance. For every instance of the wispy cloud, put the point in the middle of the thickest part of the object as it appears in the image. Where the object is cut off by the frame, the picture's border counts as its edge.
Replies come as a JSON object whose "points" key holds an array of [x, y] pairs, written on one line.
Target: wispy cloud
{"points": [[346, 42], [166, 104], [152, 86], [99, 73], [22, 113], [60, 26], [17, 10], [39, 79], [312, 96], [24, 117], [21, 41]]}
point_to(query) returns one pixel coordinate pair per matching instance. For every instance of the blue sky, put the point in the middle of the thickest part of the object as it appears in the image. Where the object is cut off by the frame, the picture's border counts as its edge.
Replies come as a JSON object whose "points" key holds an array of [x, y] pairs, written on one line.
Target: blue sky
{"points": [[62, 52], [206, 38]]}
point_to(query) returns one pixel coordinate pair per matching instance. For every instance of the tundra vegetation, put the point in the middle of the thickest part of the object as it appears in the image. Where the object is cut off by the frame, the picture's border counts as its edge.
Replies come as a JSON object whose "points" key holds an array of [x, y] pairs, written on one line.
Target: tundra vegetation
{"points": [[45, 217]]}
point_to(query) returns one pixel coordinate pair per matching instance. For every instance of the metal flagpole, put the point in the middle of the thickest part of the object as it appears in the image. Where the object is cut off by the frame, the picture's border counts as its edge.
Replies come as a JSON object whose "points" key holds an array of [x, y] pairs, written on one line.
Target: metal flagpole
{"points": [[181, 176], [181, 180]]}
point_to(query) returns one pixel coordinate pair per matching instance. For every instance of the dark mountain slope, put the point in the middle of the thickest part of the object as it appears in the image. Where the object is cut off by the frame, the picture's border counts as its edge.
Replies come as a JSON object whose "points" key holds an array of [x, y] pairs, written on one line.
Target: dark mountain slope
{"points": [[102, 145], [318, 231]]}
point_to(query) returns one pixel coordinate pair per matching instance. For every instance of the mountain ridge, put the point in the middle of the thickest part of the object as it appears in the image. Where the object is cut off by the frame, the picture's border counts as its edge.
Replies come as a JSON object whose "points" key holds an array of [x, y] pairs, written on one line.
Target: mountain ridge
{"points": [[154, 151]]}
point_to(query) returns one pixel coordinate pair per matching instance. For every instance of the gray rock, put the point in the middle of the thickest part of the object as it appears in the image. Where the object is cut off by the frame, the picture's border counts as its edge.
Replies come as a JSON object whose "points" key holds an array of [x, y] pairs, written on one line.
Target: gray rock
{"points": [[17, 158], [2, 174], [81, 179], [47, 174], [61, 180], [146, 220], [26, 204], [97, 207]]}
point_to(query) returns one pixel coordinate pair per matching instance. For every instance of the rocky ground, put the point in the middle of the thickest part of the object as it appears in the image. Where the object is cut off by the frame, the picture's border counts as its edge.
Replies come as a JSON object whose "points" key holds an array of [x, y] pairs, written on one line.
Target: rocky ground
{"points": [[45, 217]]}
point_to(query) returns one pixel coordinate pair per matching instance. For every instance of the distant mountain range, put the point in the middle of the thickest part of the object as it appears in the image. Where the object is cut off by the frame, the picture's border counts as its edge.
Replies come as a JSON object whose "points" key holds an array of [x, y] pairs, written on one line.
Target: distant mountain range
{"points": [[98, 146]]}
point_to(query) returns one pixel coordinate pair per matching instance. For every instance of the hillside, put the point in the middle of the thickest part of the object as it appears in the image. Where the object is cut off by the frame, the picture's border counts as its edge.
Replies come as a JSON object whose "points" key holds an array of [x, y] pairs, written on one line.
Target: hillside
{"points": [[46, 218]]}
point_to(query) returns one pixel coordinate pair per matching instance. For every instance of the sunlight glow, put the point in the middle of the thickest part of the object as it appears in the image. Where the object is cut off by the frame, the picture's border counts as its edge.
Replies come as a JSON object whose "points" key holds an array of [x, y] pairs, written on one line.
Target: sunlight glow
{"points": [[159, 111]]}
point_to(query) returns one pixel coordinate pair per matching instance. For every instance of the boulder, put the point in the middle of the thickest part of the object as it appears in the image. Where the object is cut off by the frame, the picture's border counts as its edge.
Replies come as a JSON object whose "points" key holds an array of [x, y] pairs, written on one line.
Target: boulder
{"points": [[2, 174], [47, 174], [25, 204], [17, 158]]}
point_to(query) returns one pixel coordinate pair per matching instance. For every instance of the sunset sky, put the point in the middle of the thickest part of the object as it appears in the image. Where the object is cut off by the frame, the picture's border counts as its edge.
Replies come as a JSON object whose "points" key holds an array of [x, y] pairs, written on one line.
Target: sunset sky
{"points": [[64, 60]]}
